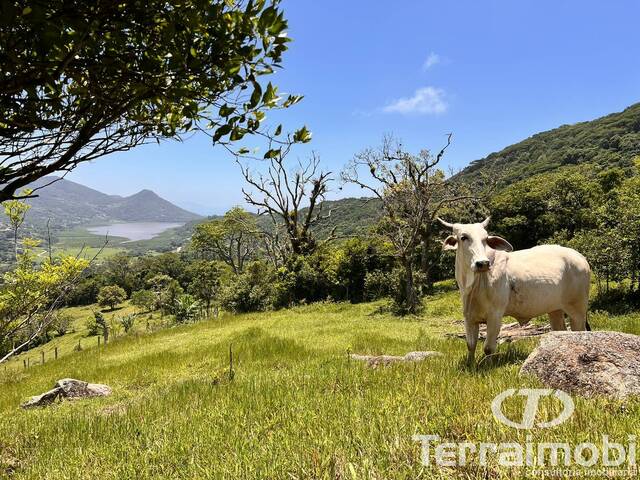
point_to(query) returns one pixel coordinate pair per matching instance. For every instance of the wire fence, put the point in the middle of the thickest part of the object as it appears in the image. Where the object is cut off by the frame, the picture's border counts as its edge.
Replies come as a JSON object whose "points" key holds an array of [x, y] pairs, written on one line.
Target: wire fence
{"points": [[49, 353]]}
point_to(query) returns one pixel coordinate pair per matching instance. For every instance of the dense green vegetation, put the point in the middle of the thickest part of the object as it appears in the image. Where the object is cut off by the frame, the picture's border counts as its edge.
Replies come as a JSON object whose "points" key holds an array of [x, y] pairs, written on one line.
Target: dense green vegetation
{"points": [[610, 141]]}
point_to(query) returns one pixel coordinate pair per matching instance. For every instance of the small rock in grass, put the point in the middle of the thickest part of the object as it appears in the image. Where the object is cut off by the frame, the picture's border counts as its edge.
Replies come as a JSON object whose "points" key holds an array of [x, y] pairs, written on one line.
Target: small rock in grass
{"points": [[377, 360], [72, 388], [588, 363], [68, 388]]}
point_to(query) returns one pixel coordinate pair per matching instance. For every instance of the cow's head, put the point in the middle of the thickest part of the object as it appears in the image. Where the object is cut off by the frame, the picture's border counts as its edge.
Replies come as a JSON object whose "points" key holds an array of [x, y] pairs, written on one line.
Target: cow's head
{"points": [[474, 247]]}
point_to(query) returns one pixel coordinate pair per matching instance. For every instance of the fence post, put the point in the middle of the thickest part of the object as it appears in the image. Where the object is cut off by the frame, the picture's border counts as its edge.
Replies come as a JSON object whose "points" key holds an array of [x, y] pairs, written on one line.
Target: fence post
{"points": [[56, 353], [42, 355], [24, 362], [98, 340]]}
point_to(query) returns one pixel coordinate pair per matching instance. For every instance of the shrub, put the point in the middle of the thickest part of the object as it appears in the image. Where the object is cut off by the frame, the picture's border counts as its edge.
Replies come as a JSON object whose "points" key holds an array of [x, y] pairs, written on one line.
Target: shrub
{"points": [[111, 295], [251, 291], [377, 284], [144, 300], [127, 322], [186, 308], [92, 327], [62, 323]]}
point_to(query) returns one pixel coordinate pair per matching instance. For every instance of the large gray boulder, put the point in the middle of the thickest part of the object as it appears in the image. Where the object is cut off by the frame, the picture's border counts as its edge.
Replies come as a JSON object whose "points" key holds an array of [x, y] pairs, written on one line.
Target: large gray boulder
{"points": [[588, 363], [68, 388]]}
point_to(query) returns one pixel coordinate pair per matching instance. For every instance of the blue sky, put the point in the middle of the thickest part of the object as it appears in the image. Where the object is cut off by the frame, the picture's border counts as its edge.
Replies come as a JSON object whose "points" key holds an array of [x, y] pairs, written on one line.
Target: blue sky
{"points": [[490, 72]]}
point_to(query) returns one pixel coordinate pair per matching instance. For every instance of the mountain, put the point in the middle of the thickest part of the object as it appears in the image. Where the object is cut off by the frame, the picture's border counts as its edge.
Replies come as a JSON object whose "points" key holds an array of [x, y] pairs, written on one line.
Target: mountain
{"points": [[68, 204], [609, 141], [606, 142]]}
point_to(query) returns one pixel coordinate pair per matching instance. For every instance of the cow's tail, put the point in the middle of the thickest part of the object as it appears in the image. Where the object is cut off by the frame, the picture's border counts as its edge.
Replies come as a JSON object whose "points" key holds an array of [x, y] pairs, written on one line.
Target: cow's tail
{"points": [[586, 323]]}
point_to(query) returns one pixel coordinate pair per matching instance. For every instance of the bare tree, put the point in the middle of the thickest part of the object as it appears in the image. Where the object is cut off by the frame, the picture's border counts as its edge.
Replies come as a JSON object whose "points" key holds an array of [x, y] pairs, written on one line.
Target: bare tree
{"points": [[412, 190], [293, 199]]}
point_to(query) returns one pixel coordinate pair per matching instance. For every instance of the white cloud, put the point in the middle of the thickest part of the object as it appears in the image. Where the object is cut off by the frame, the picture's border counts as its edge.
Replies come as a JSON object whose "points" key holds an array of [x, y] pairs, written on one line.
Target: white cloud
{"points": [[432, 59], [426, 100]]}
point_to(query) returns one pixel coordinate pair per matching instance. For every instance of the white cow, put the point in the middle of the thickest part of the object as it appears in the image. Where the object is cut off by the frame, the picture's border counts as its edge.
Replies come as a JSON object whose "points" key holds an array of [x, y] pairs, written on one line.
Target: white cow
{"points": [[495, 281]]}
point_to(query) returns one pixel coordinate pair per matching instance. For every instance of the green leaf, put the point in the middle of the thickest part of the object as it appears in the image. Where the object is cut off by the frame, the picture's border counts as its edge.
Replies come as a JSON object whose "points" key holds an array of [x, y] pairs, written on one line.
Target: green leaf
{"points": [[221, 132], [278, 130], [193, 52], [237, 133], [274, 152], [27, 10], [226, 110], [302, 135], [255, 96], [269, 95]]}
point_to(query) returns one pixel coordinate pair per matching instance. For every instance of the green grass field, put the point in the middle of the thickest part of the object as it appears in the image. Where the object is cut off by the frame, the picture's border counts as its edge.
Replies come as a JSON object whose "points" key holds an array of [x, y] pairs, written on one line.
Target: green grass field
{"points": [[296, 408]]}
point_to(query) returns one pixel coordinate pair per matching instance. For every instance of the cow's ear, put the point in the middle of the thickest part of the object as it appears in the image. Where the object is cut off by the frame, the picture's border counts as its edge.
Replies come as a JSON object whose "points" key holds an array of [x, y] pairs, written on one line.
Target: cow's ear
{"points": [[450, 243], [499, 243]]}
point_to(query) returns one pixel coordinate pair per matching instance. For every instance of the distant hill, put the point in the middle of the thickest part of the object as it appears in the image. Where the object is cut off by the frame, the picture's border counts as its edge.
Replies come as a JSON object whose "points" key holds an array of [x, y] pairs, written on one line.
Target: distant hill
{"points": [[613, 140], [69, 204]]}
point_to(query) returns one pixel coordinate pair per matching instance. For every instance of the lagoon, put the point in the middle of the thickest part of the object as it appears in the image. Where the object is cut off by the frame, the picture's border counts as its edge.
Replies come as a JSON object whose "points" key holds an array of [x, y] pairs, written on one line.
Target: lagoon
{"points": [[133, 231]]}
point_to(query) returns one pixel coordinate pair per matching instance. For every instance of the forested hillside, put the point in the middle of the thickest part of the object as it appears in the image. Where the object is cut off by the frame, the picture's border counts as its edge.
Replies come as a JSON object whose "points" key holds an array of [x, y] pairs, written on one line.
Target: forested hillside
{"points": [[610, 141]]}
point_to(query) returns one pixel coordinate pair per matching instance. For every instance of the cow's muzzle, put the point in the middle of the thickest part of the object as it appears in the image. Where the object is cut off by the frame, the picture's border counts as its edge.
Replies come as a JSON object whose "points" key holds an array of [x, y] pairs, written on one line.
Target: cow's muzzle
{"points": [[482, 265]]}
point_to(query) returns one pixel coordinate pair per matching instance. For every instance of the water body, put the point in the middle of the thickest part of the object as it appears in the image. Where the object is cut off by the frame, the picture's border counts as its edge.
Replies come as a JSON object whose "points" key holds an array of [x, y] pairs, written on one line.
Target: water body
{"points": [[133, 230]]}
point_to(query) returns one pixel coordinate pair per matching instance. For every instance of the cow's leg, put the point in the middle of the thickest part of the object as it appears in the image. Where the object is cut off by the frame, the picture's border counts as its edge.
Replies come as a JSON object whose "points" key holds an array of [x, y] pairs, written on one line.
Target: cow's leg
{"points": [[578, 316], [472, 329], [557, 320], [493, 330]]}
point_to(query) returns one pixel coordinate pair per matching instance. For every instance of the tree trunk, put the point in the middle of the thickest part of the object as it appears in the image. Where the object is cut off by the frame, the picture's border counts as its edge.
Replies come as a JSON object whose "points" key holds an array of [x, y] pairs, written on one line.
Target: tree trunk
{"points": [[410, 291], [15, 242], [425, 266]]}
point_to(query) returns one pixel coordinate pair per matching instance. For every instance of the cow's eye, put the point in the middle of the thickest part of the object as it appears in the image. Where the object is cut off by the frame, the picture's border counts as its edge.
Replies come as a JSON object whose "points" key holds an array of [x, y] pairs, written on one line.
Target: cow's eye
{"points": [[464, 238]]}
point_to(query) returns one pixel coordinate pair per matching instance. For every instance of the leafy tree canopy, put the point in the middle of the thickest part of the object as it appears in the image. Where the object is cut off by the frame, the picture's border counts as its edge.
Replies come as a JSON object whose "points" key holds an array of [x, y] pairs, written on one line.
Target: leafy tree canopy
{"points": [[79, 80]]}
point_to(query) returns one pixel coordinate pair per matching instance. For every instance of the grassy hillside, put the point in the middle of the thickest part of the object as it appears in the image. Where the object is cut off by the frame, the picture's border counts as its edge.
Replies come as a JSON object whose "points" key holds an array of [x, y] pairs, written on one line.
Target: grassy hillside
{"points": [[613, 140], [296, 408]]}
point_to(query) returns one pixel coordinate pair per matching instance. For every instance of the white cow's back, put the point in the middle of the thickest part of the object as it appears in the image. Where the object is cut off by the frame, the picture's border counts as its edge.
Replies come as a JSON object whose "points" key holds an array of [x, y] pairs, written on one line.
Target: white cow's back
{"points": [[546, 278]]}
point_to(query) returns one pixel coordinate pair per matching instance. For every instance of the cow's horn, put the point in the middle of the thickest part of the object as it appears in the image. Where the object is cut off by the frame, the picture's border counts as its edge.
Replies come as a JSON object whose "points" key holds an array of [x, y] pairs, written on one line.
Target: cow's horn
{"points": [[446, 224], [485, 222]]}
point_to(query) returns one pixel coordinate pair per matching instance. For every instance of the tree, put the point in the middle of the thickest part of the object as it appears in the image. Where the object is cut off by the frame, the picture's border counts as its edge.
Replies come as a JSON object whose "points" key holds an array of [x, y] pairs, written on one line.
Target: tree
{"points": [[101, 324], [144, 300], [205, 283], [232, 239], [530, 211], [15, 210], [629, 217], [111, 295], [30, 295], [412, 191], [168, 294], [293, 199], [80, 80]]}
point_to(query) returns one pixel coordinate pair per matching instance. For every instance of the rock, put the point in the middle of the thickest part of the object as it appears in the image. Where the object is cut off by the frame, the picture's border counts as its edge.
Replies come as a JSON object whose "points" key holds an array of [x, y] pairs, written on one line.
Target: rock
{"points": [[44, 399], [510, 332], [68, 388], [78, 389], [377, 360], [588, 363]]}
